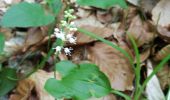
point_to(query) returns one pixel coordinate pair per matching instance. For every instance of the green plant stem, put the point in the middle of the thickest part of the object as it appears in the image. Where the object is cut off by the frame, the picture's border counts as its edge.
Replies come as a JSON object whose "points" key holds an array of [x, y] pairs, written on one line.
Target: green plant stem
{"points": [[56, 61], [157, 69], [138, 68], [106, 42], [126, 97]]}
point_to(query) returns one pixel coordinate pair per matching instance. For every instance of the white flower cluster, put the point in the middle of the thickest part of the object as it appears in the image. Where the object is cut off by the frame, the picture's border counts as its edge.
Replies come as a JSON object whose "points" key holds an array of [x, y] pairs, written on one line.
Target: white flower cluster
{"points": [[66, 36]]}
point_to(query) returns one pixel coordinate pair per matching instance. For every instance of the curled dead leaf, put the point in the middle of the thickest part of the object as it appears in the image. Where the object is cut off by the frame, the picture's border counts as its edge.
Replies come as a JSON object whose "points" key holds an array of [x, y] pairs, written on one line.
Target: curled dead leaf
{"points": [[148, 5], [144, 55], [34, 36], [165, 51], [164, 77], [114, 64], [140, 31], [164, 33], [161, 13]]}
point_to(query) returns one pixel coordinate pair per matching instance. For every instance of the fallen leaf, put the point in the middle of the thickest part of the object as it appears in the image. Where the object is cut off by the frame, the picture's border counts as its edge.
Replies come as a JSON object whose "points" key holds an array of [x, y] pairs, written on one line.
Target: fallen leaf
{"points": [[34, 36], [40, 77], [114, 64], [161, 14], [144, 55], [140, 31], [164, 77], [165, 51], [93, 25], [153, 89], [164, 33], [23, 90], [148, 5]]}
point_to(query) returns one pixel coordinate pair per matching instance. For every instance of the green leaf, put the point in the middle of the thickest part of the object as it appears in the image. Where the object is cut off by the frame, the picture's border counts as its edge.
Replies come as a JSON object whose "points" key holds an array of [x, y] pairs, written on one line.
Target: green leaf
{"points": [[104, 4], [55, 5], [2, 42], [80, 82], [26, 15], [6, 84], [65, 67]]}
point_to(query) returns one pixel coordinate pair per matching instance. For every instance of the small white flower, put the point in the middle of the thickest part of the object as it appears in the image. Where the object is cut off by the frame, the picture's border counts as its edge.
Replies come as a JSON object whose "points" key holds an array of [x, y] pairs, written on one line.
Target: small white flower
{"points": [[60, 35], [58, 49], [68, 51], [71, 38], [56, 30]]}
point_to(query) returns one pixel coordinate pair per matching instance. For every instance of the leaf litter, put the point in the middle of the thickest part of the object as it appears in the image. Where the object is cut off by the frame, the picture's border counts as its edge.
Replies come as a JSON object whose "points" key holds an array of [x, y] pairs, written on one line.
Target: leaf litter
{"points": [[110, 24]]}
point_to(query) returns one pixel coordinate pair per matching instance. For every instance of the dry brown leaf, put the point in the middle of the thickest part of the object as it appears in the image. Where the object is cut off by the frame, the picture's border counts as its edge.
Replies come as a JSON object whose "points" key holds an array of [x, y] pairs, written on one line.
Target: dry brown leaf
{"points": [[140, 31], [164, 77], [83, 13], [161, 13], [113, 64], [162, 53], [23, 90], [144, 55], [148, 5], [34, 36], [164, 32], [36, 80], [40, 77], [91, 24], [104, 16]]}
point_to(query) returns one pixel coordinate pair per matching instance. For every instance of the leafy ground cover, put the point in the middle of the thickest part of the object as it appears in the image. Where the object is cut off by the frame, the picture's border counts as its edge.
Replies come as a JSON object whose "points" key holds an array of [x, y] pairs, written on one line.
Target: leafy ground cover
{"points": [[84, 50]]}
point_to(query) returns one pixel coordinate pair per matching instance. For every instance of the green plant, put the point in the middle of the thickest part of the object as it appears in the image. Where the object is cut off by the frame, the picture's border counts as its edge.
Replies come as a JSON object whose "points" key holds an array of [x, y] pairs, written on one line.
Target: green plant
{"points": [[2, 42], [104, 4], [28, 15], [80, 81], [139, 87]]}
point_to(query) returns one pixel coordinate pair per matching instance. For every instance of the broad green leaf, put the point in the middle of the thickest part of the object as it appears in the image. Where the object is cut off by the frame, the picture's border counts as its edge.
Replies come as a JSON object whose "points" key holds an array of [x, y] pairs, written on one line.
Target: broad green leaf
{"points": [[2, 42], [65, 67], [55, 5], [104, 4], [6, 84], [80, 82], [26, 15]]}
